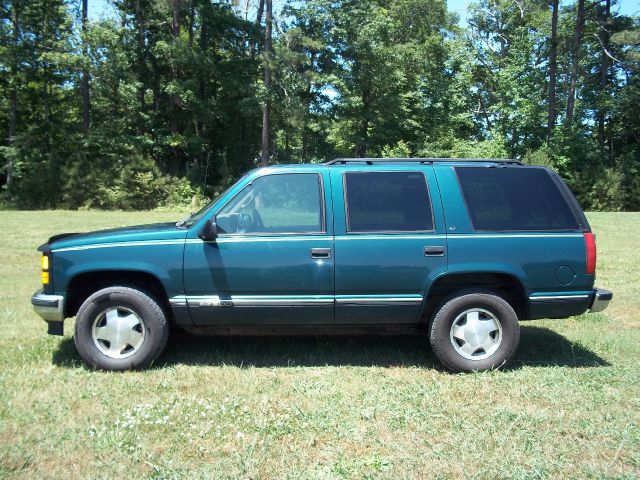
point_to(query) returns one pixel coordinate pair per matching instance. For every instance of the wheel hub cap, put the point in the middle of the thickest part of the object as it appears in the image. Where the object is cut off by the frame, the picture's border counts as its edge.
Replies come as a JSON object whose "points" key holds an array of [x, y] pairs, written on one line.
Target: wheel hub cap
{"points": [[476, 334], [118, 332]]}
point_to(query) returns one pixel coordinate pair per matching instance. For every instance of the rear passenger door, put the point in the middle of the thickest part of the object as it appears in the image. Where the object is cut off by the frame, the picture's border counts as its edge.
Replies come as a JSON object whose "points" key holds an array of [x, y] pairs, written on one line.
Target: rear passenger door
{"points": [[389, 242]]}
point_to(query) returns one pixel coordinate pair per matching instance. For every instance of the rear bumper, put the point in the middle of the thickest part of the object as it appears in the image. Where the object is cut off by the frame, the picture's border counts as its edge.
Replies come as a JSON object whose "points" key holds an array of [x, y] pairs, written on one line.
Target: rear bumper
{"points": [[51, 309], [599, 300], [567, 304]]}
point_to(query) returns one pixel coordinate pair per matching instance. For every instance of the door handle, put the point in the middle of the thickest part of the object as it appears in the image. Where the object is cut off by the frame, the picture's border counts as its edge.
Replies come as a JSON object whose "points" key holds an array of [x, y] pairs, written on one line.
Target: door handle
{"points": [[435, 251], [320, 253]]}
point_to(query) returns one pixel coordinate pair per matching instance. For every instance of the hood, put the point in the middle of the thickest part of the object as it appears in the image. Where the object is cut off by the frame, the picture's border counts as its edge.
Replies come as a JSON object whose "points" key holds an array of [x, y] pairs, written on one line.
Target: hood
{"points": [[137, 233]]}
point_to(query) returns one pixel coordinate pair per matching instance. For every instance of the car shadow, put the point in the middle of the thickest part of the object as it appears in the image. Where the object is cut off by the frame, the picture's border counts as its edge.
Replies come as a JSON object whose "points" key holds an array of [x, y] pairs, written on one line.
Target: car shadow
{"points": [[543, 347], [539, 347]]}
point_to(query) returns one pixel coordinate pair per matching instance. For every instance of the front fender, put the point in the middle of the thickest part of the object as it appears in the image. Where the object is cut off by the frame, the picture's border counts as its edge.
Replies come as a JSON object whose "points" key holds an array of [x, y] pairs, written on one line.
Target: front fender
{"points": [[164, 262]]}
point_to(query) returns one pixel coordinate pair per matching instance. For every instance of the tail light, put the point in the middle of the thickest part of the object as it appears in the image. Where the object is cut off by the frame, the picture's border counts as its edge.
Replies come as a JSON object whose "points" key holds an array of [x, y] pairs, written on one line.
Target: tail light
{"points": [[590, 243]]}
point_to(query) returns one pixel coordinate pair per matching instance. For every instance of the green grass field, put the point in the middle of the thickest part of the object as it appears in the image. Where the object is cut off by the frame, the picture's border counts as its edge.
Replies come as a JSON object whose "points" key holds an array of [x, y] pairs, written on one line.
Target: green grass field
{"points": [[355, 407]]}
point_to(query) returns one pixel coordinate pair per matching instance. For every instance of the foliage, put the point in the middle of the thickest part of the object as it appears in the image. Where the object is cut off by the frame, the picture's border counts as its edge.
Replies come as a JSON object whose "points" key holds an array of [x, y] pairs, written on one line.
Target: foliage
{"points": [[176, 94]]}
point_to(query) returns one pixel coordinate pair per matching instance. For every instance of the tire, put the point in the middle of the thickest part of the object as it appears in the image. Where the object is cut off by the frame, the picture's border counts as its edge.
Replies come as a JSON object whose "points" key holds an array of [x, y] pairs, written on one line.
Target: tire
{"points": [[120, 328], [474, 330]]}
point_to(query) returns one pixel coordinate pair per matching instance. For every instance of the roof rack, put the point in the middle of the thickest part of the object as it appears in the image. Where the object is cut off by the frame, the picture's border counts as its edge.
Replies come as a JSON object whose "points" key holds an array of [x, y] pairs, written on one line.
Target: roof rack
{"points": [[371, 161]]}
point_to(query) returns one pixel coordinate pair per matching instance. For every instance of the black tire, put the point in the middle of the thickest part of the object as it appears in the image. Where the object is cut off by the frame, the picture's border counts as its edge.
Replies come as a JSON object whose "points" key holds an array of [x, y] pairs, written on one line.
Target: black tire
{"points": [[143, 315], [490, 310]]}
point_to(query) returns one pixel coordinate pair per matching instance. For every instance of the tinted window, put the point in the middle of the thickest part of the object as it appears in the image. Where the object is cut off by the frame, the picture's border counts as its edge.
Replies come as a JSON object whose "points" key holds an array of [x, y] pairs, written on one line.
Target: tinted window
{"points": [[501, 199], [387, 201], [286, 203]]}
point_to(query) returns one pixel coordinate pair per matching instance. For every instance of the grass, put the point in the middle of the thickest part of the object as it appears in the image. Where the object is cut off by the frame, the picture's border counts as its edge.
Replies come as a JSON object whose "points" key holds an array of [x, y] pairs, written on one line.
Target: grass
{"points": [[353, 407]]}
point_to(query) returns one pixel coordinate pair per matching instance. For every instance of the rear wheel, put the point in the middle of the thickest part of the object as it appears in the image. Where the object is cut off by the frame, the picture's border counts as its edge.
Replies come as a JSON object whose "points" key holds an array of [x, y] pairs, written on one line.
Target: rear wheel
{"points": [[120, 328], [474, 330]]}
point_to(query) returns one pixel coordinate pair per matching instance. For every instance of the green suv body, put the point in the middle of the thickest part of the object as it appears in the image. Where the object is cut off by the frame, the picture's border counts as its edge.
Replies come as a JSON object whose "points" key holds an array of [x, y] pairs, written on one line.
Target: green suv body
{"points": [[461, 250]]}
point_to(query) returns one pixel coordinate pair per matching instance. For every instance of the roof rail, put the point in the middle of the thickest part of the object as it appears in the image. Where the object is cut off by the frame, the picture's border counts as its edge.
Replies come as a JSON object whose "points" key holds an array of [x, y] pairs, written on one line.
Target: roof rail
{"points": [[371, 161]]}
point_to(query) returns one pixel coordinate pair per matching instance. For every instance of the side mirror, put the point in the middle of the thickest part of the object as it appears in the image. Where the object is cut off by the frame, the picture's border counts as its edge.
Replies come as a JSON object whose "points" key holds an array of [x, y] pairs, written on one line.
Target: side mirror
{"points": [[210, 231]]}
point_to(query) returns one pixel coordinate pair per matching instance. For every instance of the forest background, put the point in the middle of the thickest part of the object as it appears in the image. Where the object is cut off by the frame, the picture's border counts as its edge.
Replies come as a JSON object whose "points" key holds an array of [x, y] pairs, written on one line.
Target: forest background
{"points": [[160, 103]]}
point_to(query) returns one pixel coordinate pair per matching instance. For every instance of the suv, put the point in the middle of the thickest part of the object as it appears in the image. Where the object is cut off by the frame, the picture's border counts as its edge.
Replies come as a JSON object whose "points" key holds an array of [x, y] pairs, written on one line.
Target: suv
{"points": [[460, 250]]}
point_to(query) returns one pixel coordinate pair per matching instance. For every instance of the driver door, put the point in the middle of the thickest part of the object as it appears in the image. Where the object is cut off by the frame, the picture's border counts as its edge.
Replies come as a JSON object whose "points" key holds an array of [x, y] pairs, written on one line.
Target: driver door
{"points": [[272, 262]]}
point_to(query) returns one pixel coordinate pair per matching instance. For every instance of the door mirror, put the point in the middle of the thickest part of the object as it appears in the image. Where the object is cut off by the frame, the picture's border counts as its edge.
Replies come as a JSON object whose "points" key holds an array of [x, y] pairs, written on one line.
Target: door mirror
{"points": [[210, 231]]}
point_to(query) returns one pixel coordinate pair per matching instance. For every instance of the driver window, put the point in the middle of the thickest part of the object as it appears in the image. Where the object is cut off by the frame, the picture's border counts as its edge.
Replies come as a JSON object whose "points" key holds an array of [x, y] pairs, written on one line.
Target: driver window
{"points": [[281, 203]]}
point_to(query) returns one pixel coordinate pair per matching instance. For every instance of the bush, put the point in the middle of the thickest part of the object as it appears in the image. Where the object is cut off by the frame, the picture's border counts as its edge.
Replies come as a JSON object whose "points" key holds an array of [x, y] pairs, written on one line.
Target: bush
{"points": [[451, 147], [181, 193], [132, 183]]}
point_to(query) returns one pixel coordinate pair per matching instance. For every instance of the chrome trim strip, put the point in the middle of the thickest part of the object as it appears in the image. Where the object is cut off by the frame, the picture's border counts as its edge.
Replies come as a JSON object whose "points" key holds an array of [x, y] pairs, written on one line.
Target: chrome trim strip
{"points": [[195, 301], [49, 307], [179, 301], [290, 301], [250, 301], [284, 302], [558, 297], [377, 300]]}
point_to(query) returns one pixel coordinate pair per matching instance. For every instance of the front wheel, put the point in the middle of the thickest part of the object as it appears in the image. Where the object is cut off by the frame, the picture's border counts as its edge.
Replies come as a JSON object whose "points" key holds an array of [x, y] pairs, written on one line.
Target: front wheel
{"points": [[474, 330], [120, 328]]}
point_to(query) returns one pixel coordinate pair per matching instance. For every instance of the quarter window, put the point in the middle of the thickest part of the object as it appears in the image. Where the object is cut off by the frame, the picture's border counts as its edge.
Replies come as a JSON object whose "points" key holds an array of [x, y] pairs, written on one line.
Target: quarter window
{"points": [[514, 199], [387, 202], [272, 204]]}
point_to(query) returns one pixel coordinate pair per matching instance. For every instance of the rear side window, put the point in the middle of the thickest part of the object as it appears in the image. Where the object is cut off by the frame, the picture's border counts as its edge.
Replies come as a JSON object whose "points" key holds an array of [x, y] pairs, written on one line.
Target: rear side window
{"points": [[508, 199], [387, 202]]}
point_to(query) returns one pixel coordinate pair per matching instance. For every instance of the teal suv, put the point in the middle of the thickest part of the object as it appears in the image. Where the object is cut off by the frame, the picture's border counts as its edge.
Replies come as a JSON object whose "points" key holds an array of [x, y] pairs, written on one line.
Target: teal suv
{"points": [[458, 250]]}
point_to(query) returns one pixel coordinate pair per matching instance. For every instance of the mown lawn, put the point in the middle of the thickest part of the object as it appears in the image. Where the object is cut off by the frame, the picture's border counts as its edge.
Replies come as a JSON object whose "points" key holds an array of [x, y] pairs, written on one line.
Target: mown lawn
{"points": [[355, 407]]}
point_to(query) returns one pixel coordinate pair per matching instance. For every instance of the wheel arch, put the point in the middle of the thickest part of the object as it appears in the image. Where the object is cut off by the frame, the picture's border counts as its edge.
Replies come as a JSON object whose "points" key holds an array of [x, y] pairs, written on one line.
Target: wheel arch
{"points": [[505, 285], [83, 285]]}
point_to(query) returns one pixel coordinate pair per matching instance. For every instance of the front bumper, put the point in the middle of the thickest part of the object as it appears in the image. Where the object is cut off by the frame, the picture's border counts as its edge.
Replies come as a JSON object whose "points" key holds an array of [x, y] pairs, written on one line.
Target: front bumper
{"points": [[599, 300], [51, 309]]}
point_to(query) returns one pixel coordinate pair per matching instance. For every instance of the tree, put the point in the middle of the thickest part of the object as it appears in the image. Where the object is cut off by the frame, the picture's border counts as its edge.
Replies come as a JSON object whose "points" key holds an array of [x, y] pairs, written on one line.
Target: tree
{"points": [[178, 98], [576, 56], [603, 37], [266, 109], [553, 69], [85, 73]]}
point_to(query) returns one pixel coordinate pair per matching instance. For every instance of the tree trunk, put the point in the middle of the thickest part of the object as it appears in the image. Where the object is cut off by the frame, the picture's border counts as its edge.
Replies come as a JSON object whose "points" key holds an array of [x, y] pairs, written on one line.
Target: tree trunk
{"points": [[308, 99], [203, 46], [192, 18], [141, 67], [266, 109], [174, 103], [175, 25], [604, 72], [553, 69], [361, 148], [13, 96], [175, 32], [258, 23], [363, 144], [85, 73], [576, 56]]}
